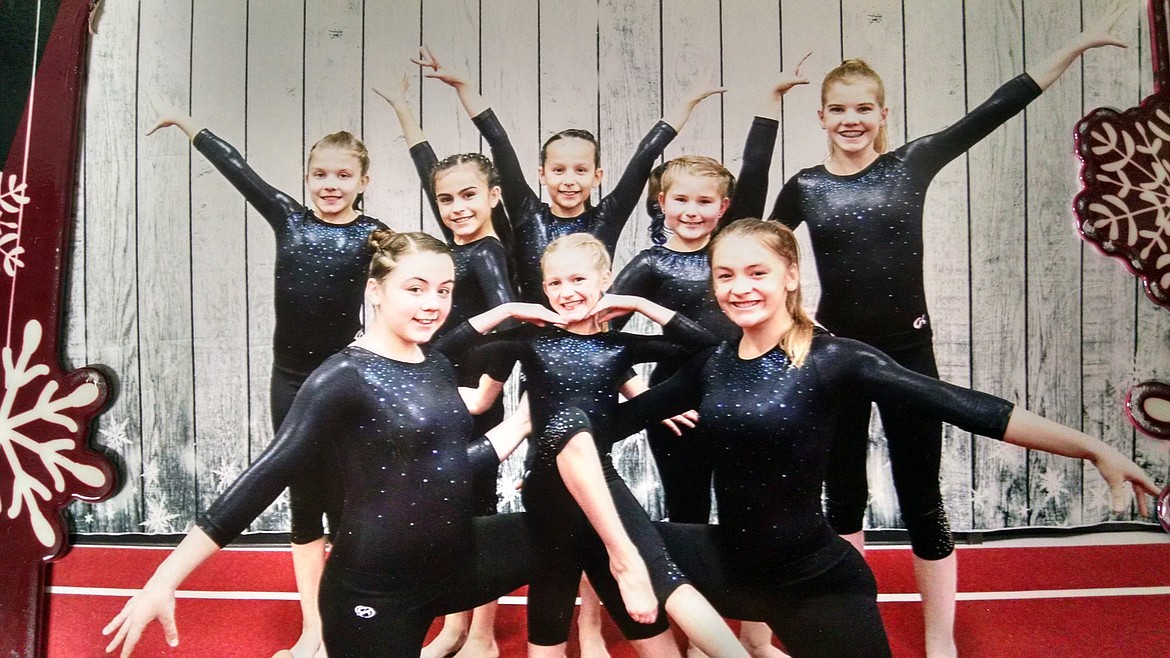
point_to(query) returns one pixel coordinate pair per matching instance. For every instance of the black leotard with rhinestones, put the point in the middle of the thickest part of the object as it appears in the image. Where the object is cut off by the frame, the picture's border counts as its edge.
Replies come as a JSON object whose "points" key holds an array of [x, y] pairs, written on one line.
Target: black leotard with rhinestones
{"points": [[866, 228], [773, 428], [321, 268], [533, 224], [398, 433]]}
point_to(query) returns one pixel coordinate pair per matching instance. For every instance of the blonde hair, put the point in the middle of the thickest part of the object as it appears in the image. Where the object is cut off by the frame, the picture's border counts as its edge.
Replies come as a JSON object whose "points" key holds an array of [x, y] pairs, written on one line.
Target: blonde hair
{"points": [[697, 165], [578, 242], [390, 246], [852, 71], [780, 240]]}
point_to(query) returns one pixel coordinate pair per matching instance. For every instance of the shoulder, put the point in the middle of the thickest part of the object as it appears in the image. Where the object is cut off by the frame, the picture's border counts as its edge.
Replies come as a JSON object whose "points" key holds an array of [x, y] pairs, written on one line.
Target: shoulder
{"points": [[370, 223], [488, 246]]}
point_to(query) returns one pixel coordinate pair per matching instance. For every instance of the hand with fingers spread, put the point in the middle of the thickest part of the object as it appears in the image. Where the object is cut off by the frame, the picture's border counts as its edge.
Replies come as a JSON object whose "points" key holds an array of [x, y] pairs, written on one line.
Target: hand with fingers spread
{"points": [[444, 74], [1119, 471], [678, 116], [1096, 35], [687, 418], [147, 605]]}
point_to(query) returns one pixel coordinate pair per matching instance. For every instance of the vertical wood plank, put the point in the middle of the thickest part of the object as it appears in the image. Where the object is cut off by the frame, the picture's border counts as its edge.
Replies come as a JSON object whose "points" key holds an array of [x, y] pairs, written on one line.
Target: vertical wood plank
{"points": [[872, 30], [998, 322], [691, 39], [630, 102], [1111, 78], [332, 68], [817, 27], [451, 27], [218, 265], [275, 146], [110, 259], [509, 71], [392, 36], [935, 98], [751, 63], [164, 276], [1053, 263], [568, 69]]}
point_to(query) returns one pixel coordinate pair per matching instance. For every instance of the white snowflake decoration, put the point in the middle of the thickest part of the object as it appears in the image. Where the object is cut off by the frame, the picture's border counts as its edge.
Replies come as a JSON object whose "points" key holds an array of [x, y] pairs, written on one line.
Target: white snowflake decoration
{"points": [[158, 517], [11, 201], [115, 436], [52, 454]]}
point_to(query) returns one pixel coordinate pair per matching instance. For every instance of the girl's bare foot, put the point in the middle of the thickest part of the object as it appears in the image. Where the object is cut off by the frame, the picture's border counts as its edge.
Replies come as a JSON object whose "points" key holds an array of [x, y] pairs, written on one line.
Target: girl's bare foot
{"points": [[634, 584], [479, 647], [592, 645], [449, 640]]}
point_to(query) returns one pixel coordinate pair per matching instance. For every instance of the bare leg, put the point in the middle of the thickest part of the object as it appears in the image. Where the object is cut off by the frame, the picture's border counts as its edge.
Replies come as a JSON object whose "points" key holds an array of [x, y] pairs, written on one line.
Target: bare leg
{"points": [[481, 638], [539, 651], [589, 623], [938, 582], [451, 638], [756, 637], [308, 564], [857, 539], [662, 645], [702, 625], [580, 469]]}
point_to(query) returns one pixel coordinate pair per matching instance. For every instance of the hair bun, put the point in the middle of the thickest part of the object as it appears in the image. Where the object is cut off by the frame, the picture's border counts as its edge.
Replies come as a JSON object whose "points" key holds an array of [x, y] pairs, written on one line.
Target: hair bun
{"points": [[380, 239]]}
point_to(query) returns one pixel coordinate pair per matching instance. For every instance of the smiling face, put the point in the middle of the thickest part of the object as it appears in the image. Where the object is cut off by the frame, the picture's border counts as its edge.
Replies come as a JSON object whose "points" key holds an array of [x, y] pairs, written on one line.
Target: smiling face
{"points": [[852, 115], [465, 202], [570, 173], [752, 283], [692, 206], [412, 301], [574, 283], [335, 179]]}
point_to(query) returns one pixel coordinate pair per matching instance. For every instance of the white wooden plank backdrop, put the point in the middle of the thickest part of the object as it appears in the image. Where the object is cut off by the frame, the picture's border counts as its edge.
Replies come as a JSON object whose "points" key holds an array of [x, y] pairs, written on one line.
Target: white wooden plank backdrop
{"points": [[172, 275]]}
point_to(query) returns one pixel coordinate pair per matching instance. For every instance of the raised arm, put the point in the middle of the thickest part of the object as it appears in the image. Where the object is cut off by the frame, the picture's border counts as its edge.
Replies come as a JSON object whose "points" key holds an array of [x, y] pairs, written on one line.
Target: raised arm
{"points": [[272, 203], [751, 187], [1096, 35], [395, 95]]}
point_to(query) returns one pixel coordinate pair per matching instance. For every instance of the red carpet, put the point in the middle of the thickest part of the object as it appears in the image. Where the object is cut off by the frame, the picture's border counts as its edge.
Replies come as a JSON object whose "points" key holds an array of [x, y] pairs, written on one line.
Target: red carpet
{"points": [[1084, 601]]}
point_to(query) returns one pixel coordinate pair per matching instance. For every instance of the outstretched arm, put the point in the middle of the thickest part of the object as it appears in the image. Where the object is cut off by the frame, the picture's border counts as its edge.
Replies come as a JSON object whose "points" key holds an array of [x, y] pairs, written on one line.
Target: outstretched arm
{"points": [[169, 114], [678, 115], [156, 599], [1029, 430], [1095, 35], [395, 95]]}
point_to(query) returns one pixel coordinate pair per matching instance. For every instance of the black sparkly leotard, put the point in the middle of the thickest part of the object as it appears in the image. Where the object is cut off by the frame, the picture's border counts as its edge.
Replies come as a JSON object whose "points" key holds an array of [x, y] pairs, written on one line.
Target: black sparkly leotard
{"points": [[866, 231], [772, 428], [408, 547], [572, 383], [682, 281], [533, 224], [320, 276], [482, 282]]}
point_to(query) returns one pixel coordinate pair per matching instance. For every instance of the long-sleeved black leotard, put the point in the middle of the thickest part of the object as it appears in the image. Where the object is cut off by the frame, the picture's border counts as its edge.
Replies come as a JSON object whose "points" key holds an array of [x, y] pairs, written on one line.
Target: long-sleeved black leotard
{"points": [[320, 276], [772, 426], [866, 231], [398, 433], [682, 281], [532, 222], [482, 281], [574, 377]]}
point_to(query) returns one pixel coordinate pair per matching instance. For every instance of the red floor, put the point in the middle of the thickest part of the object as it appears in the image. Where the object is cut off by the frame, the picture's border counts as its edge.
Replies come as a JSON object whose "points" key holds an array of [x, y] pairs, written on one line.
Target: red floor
{"points": [[1087, 601]]}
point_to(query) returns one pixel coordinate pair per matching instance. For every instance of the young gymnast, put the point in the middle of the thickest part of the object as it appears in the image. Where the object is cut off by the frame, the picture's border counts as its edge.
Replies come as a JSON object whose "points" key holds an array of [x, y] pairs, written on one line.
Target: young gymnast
{"points": [[864, 209], [388, 411], [321, 262], [574, 374], [570, 167], [464, 194], [769, 401]]}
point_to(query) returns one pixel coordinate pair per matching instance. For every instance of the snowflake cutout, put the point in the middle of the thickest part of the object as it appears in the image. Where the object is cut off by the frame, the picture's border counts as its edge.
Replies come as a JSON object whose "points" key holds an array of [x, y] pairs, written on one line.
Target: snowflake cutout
{"points": [[158, 517], [11, 202], [115, 435], [1124, 207], [51, 458]]}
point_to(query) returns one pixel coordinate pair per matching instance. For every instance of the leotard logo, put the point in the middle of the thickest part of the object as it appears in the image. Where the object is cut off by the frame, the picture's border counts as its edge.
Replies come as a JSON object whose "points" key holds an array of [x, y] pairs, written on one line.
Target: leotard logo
{"points": [[921, 321], [364, 611]]}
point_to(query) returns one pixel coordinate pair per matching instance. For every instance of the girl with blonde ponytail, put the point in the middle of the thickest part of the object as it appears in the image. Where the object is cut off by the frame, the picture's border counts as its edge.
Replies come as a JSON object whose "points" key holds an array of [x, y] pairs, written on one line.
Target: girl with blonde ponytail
{"points": [[769, 403]]}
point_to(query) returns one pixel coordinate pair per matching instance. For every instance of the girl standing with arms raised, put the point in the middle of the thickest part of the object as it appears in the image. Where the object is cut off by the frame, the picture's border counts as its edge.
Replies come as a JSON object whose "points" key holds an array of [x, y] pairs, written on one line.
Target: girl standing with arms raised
{"points": [[770, 400], [388, 411], [464, 195], [864, 210], [321, 262]]}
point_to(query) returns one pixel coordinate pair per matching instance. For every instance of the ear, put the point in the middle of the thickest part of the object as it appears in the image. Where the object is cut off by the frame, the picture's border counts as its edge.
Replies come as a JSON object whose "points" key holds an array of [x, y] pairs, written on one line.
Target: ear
{"points": [[661, 199], [821, 117], [597, 174], [606, 279], [494, 196], [373, 292], [885, 113], [793, 283], [540, 175], [362, 183], [724, 205]]}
